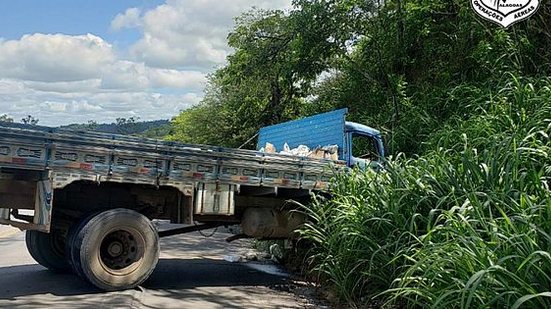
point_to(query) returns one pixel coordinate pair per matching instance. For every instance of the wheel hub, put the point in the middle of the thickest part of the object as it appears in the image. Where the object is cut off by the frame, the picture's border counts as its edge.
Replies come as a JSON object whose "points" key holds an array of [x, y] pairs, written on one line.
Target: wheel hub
{"points": [[115, 249], [119, 250]]}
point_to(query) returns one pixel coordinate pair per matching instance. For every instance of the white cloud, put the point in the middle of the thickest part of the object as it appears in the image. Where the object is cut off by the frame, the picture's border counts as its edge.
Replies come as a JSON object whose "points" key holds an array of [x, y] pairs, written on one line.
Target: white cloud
{"points": [[129, 19], [63, 63], [56, 106], [54, 57], [125, 75], [88, 85], [52, 108], [72, 107], [189, 33], [63, 79], [137, 76], [165, 78]]}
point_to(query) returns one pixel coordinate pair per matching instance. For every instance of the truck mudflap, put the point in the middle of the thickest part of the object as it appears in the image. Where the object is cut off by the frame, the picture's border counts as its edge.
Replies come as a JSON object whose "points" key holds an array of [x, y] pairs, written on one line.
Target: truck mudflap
{"points": [[27, 212]]}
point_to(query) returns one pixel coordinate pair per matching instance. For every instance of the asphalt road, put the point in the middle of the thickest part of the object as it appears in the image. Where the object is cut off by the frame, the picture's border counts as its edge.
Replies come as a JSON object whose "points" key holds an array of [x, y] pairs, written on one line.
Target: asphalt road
{"points": [[191, 273]]}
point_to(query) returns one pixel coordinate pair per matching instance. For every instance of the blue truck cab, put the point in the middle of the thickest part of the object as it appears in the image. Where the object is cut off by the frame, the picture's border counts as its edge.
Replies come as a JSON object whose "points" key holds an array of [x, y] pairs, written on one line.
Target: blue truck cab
{"points": [[358, 145]]}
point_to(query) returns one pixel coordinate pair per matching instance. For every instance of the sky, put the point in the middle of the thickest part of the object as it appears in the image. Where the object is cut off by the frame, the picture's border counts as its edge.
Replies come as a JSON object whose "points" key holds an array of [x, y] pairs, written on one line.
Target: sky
{"points": [[66, 61]]}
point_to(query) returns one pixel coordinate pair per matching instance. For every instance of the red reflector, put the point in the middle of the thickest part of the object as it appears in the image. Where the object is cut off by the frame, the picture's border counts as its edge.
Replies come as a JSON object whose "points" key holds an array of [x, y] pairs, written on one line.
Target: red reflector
{"points": [[18, 160], [86, 166]]}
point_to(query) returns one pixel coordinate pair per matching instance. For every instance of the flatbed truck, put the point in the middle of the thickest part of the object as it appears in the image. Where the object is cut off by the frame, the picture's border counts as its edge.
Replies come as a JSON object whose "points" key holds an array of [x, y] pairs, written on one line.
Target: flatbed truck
{"points": [[87, 200]]}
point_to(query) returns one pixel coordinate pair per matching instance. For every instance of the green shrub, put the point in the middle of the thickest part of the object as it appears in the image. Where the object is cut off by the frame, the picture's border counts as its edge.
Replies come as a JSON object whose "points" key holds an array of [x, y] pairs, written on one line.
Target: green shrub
{"points": [[466, 225]]}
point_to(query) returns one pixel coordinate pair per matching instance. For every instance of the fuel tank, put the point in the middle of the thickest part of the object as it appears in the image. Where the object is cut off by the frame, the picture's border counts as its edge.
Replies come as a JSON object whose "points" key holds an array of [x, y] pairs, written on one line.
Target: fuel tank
{"points": [[267, 223]]}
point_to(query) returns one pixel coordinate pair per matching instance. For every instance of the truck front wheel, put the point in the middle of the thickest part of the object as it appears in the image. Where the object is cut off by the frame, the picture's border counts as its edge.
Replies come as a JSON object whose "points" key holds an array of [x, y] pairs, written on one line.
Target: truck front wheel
{"points": [[115, 250]]}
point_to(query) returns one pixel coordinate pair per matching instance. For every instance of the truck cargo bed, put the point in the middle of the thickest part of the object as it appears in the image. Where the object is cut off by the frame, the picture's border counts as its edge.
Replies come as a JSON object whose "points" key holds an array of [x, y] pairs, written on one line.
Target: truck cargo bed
{"points": [[69, 156]]}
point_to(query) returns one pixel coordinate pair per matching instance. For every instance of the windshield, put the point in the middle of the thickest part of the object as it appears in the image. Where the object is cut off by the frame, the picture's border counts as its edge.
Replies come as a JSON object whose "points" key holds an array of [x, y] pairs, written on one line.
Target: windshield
{"points": [[364, 147]]}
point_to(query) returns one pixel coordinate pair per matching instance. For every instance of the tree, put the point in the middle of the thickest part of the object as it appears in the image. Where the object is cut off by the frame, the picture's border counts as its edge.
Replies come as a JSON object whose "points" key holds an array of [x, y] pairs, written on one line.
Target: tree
{"points": [[126, 125], [225, 117], [411, 66], [30, 120], [91, 125], [266, 81], [5, 118], [404, 66], [264, 56]]}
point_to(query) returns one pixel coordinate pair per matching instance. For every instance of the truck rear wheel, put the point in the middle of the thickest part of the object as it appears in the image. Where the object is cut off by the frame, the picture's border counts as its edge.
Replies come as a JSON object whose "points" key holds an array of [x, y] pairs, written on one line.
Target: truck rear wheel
{"points": [[115, 250], [47, 249]]}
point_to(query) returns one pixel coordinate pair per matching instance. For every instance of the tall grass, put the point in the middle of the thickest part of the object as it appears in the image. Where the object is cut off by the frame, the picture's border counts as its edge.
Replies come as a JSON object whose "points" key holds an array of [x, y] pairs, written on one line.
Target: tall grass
{"points": [[467, 225]]}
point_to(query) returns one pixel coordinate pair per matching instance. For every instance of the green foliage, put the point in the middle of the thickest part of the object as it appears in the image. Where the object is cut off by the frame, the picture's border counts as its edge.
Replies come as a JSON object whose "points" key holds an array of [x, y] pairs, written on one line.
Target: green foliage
{"points": [[467, 225], [5, 118], [418, 64], [30, 120], [405, 67], [126, 125], [157, 132], [153, 129], [220, 119], [276, 61], [466, 222]]}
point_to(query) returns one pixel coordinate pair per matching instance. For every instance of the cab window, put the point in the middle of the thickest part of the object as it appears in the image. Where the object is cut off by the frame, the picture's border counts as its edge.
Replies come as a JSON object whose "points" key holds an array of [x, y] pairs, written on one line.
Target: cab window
{"points": [[364, 147]]}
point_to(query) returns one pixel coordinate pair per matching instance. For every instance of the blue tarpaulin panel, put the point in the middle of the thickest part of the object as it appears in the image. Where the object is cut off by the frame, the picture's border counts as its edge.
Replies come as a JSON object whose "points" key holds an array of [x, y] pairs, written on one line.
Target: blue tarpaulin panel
{"points": [[319, 130]]}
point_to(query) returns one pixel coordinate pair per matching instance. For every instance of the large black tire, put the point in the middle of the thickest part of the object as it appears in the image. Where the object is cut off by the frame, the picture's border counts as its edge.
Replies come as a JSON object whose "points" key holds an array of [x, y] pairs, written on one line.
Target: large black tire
{"points": [[115, 250], [47, 249], [70, 245]]}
